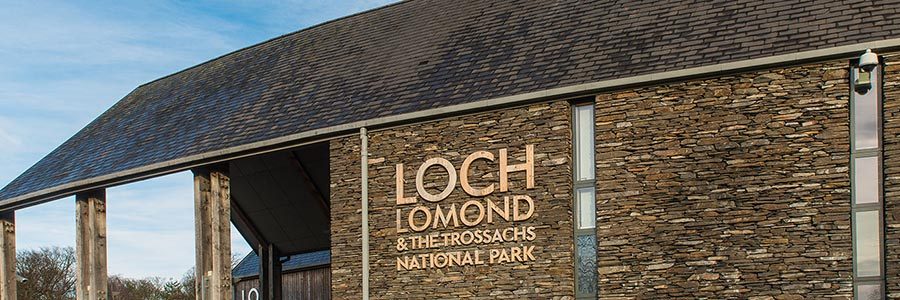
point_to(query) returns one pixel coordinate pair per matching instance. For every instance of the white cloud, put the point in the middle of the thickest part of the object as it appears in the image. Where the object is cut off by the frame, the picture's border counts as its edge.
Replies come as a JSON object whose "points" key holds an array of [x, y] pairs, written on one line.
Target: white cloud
{"points": [[50, 224], [66, 62], [9, 140]]}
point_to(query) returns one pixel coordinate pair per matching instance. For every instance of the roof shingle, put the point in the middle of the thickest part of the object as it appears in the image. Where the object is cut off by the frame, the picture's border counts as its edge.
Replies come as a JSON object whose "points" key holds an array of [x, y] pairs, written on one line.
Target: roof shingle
{"points": [[249, 265], [424, 54]]}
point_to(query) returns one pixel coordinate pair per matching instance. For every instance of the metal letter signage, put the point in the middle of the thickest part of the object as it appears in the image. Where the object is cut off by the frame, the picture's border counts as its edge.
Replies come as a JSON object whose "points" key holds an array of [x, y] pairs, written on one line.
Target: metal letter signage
{"points": [[434, 224]]}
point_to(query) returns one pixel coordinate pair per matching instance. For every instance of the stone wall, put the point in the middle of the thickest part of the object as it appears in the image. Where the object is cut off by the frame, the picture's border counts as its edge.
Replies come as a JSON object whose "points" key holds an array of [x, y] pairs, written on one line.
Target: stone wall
{"points": [[892, 178], [549, 276], [346, 218], [731, 187]]}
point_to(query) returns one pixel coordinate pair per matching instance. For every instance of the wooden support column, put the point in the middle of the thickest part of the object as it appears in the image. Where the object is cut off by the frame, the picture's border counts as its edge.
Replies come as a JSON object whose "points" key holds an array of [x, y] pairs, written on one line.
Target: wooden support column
{"points": [[269, 272], [262, 253], [90, 242], [212, 227], [272, 271], [8, 256]]}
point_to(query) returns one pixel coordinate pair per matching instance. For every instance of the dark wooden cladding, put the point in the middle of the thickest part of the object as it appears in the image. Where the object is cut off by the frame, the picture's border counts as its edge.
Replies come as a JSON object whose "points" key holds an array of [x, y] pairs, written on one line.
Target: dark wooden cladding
{"points": [[314, 283]]}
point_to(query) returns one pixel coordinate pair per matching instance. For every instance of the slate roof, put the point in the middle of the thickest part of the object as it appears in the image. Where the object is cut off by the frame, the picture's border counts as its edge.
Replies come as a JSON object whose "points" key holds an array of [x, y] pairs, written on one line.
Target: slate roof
{"points": [[249, 266], [423, 54]]}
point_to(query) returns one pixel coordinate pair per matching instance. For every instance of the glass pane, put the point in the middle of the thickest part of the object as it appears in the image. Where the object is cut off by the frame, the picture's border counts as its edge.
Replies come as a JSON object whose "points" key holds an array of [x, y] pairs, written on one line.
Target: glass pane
{"points": [[865, 180], [865, 116], [584, 143], [586, 208], [867, 243], [868, 292], [586, 265]]}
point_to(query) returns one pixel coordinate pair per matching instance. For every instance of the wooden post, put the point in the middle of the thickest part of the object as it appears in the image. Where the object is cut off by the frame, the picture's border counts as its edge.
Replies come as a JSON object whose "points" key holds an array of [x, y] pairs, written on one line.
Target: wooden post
{"points": [[212, 208], [262, 254], [8, 256], [273, 272], [90, 242], [269, 272]]}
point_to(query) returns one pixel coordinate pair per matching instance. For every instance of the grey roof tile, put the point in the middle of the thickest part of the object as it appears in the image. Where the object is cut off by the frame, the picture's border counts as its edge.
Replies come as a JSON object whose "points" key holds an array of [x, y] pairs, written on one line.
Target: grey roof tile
{"points": [[249, 265], [422, 54]]}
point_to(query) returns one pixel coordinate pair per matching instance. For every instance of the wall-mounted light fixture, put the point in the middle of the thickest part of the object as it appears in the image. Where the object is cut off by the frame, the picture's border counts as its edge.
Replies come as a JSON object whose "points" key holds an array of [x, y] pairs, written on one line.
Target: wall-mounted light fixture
{"points": [[863, 75]]}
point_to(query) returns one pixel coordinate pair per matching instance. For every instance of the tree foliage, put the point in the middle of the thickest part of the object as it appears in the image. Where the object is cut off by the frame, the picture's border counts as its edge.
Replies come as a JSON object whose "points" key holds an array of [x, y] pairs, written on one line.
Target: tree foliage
{"points": [[152, 288], [50, 274]]}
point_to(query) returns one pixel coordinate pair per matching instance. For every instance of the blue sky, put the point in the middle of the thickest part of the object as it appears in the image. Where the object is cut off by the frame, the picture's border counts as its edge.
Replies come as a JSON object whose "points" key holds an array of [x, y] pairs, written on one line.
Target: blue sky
{"points": [[62, 63]]}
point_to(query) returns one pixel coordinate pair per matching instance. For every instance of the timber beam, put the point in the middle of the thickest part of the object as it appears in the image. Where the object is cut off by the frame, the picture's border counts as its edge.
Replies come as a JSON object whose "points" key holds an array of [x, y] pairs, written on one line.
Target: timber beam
{"points": [[246, 227], [8, 276], [270, 272], [320, 198], [92, 282], [212, 228]]}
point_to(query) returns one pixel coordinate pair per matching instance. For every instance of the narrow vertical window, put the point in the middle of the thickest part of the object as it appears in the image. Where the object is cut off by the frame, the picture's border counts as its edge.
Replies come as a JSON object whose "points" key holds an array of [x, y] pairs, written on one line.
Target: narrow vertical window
{"points": [[868, 292], [586, 207], [584, 204], [867, 244], [866, 109], [867, 207], [866, 178], [584, 142]]}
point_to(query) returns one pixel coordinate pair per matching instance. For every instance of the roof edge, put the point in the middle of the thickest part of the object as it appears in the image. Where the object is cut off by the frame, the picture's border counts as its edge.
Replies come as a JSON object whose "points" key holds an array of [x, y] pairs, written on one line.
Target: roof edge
{"points": [[298, 31], [323, 134], [286, 271], [293, 269]]}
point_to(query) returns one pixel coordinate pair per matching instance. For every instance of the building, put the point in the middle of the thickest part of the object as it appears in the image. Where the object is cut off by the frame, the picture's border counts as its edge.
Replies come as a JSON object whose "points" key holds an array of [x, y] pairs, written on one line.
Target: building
{"points": [[527, 149], [304, 276]]}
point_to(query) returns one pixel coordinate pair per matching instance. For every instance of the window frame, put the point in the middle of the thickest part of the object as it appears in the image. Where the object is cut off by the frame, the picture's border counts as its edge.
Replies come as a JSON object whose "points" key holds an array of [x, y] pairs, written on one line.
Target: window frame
{"points": [[580, 185], [878, 206]]}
